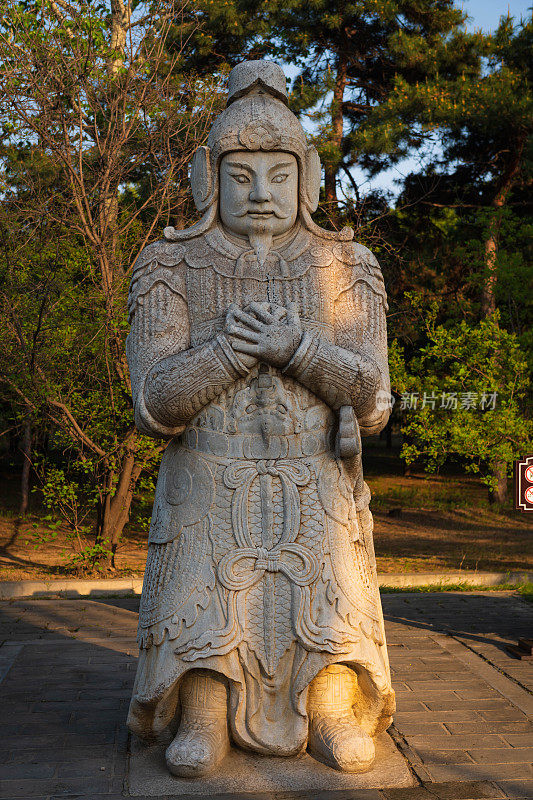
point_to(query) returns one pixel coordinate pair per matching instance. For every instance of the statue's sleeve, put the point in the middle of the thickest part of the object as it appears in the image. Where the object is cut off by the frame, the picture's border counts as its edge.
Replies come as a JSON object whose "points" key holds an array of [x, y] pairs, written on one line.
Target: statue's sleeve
{"points": [[171, 381], [352, 370]]}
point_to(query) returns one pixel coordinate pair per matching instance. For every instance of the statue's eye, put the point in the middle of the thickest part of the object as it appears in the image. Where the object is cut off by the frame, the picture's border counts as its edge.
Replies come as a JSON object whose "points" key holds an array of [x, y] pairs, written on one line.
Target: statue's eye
{"points": [[279, 178], [241, 178]]}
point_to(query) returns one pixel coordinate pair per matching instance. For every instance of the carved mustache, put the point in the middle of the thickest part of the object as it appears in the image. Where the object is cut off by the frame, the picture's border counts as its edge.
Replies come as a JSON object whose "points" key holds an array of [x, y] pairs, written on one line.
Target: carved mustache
{"points": [[277, 213]]}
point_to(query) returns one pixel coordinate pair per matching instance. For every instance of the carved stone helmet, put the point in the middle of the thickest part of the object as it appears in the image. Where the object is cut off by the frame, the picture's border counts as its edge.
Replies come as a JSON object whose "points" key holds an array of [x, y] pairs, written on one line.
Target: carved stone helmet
{"points": [[256, 117]]}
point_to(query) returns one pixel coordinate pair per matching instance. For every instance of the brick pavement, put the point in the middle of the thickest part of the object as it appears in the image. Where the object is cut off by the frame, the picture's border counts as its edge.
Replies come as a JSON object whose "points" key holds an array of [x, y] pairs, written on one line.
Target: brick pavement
{"points": [[464, 705]]}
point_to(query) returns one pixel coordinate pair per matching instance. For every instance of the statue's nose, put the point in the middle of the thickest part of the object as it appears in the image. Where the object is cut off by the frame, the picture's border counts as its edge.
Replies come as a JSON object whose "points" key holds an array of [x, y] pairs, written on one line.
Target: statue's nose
{"points": [[259, 192]]}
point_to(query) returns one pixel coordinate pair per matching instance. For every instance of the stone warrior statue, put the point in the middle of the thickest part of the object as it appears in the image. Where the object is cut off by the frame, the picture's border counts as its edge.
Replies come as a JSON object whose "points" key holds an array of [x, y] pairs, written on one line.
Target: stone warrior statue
{"points": [[258, 349]]}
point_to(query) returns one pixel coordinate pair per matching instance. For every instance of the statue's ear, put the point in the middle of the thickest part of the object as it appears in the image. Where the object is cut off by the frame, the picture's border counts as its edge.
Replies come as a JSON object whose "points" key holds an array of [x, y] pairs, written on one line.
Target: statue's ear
{"points": [[201, 179], [313, 177]]}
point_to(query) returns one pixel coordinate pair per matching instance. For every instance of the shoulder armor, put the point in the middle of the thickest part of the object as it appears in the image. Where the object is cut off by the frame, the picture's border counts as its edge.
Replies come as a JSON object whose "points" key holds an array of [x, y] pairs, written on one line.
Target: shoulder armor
{"points": [[158, 262], [362, 267], [167, 254], [212, 249], [318, 252], [206, 251], [354, 254]]}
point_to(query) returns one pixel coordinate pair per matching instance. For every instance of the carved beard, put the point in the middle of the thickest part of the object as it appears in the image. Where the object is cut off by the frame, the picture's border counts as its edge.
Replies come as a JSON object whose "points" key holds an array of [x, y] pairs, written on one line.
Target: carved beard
{"points": [[261, 242]]}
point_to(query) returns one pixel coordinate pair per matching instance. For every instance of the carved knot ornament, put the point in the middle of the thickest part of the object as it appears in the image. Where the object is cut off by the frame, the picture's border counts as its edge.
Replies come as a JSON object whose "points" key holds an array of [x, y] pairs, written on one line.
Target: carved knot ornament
{"points": [[260, 136]]}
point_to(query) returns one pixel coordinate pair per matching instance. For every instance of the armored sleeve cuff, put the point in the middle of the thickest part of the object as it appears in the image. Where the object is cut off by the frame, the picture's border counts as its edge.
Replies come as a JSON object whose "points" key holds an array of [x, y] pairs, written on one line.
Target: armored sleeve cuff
{"points": [[146, 424], [374, 422], [226, 353], [338, 376], [307, 348], [179, 386]]}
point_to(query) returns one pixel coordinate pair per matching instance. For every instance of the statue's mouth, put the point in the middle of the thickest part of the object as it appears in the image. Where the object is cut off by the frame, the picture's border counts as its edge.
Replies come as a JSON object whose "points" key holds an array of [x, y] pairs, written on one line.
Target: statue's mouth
{"points": [[260, 214]]}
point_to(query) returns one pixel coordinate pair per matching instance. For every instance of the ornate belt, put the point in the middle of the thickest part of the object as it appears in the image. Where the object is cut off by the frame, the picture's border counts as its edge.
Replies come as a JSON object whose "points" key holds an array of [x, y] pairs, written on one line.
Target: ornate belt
{"points": [[255, 446]]}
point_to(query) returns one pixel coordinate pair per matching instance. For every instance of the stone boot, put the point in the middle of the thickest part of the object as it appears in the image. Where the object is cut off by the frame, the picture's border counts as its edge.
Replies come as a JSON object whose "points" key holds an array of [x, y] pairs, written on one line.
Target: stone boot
{"points": [[202, 739], [334, 736]]}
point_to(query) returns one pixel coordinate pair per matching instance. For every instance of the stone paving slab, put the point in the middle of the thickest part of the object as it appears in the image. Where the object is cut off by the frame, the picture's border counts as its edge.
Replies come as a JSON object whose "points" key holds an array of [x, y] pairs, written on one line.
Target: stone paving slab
{"points": [[463, 720]]}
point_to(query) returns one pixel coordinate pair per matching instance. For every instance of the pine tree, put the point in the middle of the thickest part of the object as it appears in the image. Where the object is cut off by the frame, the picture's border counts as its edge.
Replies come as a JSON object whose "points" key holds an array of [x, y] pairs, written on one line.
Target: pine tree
{"points": [[487, 125], [352, 56], [476, 192]]}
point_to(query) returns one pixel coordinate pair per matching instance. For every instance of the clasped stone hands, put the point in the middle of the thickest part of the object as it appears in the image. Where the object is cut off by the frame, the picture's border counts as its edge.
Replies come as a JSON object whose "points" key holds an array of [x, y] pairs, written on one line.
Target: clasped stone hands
{"points": [[264, 331]]}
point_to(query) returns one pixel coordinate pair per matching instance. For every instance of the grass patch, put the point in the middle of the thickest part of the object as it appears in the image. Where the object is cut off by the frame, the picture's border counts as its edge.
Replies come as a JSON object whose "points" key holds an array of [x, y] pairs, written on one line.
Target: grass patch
{"points": [[426, 493], [525, 590]]}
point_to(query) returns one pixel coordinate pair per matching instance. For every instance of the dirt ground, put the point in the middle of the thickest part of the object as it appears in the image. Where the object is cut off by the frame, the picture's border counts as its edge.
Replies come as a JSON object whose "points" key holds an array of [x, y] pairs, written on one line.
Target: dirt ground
{"points": [[421, 525]]}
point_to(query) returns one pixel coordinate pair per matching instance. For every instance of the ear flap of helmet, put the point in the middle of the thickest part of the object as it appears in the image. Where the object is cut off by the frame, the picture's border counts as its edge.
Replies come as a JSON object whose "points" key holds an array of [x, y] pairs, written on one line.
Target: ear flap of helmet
{"points": [[313, 177], [201, 178]]}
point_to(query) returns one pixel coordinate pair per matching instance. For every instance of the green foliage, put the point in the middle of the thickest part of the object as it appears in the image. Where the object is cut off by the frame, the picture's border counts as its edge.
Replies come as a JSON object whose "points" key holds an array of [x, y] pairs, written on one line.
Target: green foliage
{"points": [[61, 494], [469, 364], [90, 558], [481, 104], [479, 176], [70, 496], [526, 592], [96, 135]]}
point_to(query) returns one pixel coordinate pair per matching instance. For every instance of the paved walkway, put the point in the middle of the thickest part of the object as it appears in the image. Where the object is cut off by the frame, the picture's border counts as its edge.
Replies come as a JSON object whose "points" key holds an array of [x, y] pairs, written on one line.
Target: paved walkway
{"points": [[464, 706]]}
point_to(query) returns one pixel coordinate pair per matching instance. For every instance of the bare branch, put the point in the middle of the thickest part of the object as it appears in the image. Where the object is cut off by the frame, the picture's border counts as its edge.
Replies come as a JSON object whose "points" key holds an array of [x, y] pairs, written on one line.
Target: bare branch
{"points": [[55, 6], [76, 428]]}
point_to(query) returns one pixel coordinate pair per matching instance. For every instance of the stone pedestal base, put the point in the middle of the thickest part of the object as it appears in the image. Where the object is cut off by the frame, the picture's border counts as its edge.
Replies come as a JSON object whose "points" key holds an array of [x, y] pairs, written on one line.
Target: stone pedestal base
{"points": [[246, 774]]}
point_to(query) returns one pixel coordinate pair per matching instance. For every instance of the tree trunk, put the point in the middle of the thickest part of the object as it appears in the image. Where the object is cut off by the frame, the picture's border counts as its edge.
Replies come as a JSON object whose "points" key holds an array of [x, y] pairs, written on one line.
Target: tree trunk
{"points": [[102, 537], [508, 180], [499, 493], [26, 465], [120, 23], [488, 292], [330, 189], [114, 510], [337, 124]]}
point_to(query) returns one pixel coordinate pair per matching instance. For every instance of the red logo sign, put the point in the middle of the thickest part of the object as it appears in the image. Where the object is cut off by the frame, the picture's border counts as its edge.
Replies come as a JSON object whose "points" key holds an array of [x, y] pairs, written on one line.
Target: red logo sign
{"points": [[523, 484]]}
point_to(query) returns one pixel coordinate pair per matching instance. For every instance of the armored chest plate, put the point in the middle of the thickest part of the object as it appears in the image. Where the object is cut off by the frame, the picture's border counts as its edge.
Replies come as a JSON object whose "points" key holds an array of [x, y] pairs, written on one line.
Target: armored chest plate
{"points": [[220, 272]]}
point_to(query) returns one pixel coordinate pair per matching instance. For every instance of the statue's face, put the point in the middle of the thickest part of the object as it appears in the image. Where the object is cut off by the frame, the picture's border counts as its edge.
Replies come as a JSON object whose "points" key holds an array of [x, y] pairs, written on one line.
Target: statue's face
{"points": [[258, 192]]}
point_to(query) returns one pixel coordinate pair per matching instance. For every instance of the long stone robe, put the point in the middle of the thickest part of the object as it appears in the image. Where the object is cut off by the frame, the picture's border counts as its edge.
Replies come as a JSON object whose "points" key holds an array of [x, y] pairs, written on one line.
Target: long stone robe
{"points": [[260, 563]]}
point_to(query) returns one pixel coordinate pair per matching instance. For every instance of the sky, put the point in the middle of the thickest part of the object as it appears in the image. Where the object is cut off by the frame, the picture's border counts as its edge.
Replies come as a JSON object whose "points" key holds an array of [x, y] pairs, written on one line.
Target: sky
{"points": [[484, 14]]}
